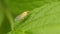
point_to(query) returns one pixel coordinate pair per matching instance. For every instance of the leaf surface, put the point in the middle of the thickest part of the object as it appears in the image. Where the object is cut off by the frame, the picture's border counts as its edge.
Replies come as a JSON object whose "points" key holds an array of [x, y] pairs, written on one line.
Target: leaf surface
{"points": [[43, 20]]}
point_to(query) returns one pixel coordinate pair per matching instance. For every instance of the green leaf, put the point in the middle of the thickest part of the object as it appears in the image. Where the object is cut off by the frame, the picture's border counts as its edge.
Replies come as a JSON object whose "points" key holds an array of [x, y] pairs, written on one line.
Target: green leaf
{"points": [[35, 23], [18, 6], [43, 20]]}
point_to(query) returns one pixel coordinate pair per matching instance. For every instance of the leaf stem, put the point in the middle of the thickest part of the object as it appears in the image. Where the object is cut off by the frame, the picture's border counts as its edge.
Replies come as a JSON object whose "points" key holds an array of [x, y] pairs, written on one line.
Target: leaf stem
{"points": [[10, 18], [7, 13]]}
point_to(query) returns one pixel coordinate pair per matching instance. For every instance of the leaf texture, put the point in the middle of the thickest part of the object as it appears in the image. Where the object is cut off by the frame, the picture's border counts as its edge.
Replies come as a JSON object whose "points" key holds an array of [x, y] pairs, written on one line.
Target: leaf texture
{"points": [[43, 20]]}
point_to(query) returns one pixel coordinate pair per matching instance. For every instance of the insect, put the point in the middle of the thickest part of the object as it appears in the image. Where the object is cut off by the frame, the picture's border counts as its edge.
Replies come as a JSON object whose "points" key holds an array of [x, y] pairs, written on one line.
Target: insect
{"points": [[22, 16]]}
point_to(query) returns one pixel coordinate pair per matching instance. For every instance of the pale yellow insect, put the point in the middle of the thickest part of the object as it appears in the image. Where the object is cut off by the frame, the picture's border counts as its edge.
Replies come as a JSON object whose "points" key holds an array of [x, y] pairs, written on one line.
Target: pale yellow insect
{"points": [[22, 16]]}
